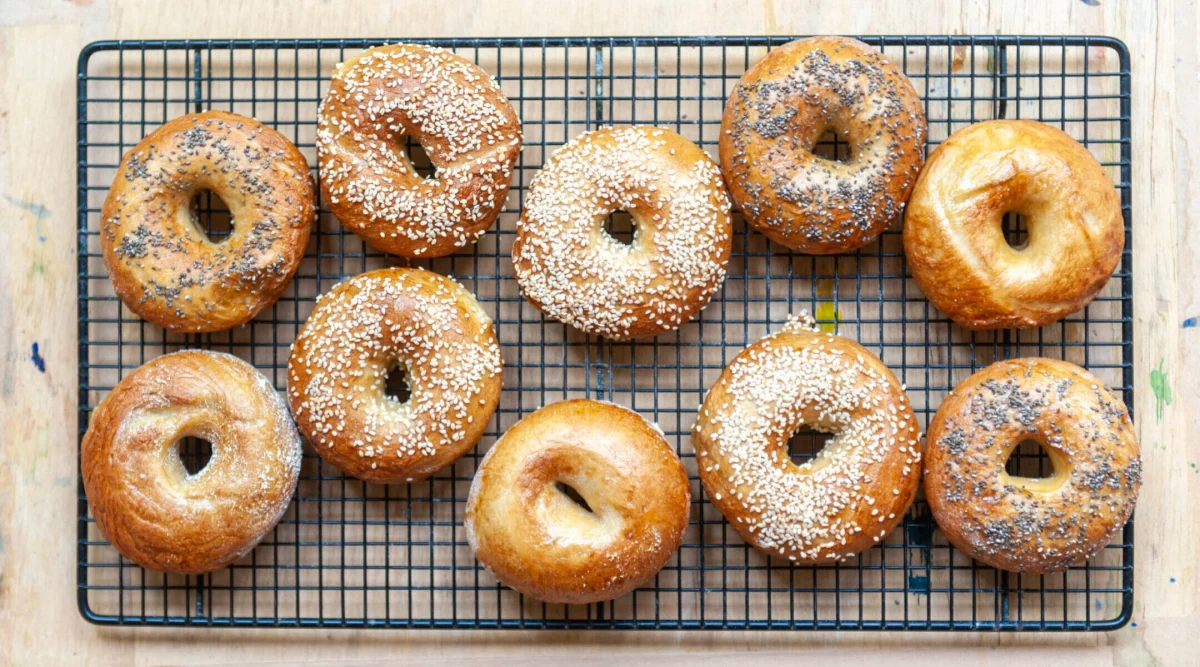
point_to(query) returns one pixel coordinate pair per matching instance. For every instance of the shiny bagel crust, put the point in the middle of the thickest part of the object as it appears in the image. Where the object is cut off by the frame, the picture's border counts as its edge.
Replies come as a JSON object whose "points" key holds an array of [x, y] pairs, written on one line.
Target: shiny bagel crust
{"points": [[423, 322], [955, 244], [167, 270], [778, 112], [534, 538], [1022, 524], [571, 269], [141, 495], [857, 488], [462, 120]]}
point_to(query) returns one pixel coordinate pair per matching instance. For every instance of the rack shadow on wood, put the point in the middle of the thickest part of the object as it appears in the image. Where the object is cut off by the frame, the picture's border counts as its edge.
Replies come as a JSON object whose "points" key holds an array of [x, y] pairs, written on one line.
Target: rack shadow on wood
{"points": [[354, 554]]}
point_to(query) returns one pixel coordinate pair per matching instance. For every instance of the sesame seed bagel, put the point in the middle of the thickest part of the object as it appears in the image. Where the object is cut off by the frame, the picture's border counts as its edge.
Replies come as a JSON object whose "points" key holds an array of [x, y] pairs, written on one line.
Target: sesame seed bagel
{"points": [[847, 498], [162, 265], [422, 322], [526, 530], [953, 231], [461, 119], [1024, 524], [776, 115], [575, 272], [143, 498]]}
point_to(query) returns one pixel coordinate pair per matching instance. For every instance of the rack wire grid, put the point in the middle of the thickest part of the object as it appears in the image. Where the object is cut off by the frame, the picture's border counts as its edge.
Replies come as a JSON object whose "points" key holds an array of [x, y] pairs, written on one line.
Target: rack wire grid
{"points": [[353, 554]]}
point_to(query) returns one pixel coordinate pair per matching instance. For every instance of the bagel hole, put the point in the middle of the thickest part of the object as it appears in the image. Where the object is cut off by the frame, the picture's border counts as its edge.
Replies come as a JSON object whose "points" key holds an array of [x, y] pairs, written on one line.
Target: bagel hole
{"points": [[1030, 460], [396, 385], [570, 492], [211, 217], [834, 146], [194, 453], [620, 227], [418, 158], [806, 443], [1016, 233]]}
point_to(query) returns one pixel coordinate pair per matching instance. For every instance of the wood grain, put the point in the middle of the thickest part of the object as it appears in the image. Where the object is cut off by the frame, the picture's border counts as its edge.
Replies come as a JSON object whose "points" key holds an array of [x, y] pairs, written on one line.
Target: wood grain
{"points": [[39, 44]]}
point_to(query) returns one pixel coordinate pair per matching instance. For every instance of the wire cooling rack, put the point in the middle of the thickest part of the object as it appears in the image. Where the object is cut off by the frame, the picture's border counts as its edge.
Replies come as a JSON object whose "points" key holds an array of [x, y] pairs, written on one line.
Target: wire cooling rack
{"points": [[354, 554]]}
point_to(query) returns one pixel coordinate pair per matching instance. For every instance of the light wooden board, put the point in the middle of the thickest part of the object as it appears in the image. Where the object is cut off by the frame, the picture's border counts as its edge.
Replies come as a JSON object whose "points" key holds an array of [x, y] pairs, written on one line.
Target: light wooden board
{"points": [[39, 43]]}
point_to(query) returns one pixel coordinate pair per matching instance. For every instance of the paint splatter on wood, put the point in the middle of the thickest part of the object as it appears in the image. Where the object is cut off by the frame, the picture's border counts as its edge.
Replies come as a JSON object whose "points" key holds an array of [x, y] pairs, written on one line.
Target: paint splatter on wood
{"points": [[1162, 390], [918, 584], [826, 312], [39, 362], [39, 212], [958, 58]]}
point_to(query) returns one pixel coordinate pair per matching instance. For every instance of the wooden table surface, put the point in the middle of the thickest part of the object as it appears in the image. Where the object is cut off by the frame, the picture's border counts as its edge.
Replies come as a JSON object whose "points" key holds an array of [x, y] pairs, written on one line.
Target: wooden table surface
{"points": [[39, 45]]}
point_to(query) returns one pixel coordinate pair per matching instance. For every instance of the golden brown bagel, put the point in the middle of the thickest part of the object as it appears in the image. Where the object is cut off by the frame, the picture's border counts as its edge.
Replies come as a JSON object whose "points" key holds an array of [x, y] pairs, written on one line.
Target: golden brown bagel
{"points": [[529, 533], [575, 272], [847, 498], [459, 116], [423, 322], [955, 244], [777, 114], [162, 265], [145, 502], [1022, 524]]}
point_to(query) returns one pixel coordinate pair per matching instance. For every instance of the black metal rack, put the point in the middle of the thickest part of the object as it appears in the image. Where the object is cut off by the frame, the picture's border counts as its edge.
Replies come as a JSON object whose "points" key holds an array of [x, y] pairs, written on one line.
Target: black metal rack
{"points": [[354, 554]]}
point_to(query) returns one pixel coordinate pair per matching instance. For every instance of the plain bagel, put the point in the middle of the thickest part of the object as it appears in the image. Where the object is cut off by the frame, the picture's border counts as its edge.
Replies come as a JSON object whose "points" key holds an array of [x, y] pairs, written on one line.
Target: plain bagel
{"points": [[953, 237], [143, 498], [525, 528]]}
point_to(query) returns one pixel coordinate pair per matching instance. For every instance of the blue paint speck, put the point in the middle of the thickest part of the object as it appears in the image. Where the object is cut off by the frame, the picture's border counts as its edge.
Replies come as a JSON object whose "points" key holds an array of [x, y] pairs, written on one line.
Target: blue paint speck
{"points": [[1134, 624], [1099, 605], [1191, 322], [918, 584], [1172, 579], [1091, 3], [38, 361]]}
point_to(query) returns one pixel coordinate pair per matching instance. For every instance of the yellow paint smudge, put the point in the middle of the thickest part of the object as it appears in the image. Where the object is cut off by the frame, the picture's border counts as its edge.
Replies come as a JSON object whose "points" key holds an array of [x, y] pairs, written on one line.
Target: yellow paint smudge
{"points": [[828, 316], [827, 313]]}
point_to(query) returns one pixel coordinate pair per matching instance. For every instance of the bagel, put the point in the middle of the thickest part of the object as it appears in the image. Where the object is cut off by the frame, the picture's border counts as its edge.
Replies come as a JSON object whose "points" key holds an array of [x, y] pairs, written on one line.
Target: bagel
{"points": [[461, 119], [847, 498], [163, 267], [1022, 524], [525, 528], [571, 269], [778, 112], [144, 500], [424, 323], [953, 237]]}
